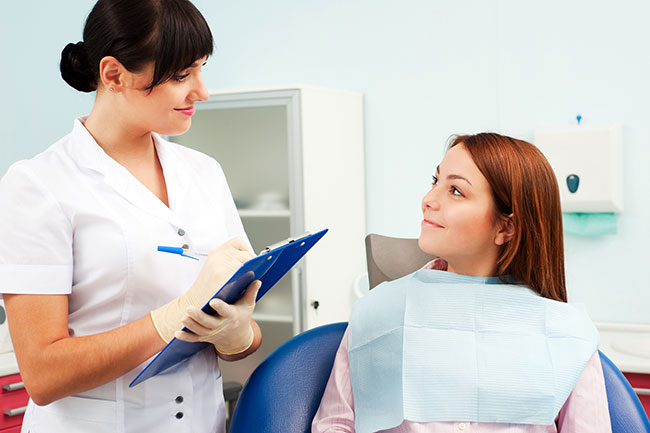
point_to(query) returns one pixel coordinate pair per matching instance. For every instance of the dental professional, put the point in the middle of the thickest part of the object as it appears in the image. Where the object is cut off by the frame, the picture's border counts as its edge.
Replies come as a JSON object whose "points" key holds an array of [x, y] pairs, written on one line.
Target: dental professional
{"points": [[482, 339], [89, 299]]}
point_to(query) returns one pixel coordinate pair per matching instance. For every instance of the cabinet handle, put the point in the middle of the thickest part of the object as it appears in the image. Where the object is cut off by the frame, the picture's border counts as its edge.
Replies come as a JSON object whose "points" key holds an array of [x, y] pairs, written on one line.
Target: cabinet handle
{"points": [[642, 391], [16, 411], [13, 386]]}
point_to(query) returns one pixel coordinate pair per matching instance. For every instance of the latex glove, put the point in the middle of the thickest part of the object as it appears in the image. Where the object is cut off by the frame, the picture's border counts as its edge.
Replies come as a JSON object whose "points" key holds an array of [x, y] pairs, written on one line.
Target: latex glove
{"points": [[231, 331], [221, 264]]}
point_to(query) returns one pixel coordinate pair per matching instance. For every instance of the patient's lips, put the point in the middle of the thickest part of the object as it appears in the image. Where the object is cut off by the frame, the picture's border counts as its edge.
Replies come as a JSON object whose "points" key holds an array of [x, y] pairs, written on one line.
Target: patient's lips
{"points": [[431, 223]]}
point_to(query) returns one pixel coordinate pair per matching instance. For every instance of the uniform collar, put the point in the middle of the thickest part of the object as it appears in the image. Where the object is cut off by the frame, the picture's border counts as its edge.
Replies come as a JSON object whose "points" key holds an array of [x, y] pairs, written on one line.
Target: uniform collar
{"points": [[85, 151]]}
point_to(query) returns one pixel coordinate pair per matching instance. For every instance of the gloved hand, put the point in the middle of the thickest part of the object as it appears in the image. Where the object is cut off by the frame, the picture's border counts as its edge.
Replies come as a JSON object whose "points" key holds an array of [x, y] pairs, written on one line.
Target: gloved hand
{"points": [[230, 332], [221, 263]]}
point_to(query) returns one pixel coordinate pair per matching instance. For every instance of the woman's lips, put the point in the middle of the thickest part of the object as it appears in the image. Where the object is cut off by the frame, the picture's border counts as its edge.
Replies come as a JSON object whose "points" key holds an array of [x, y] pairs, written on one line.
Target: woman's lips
{"points": [[188, 111], [429, 223]]}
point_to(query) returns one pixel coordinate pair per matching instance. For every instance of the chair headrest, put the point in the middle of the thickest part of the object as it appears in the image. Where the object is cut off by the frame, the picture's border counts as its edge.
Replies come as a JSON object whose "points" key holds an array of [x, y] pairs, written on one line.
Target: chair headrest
{"points": [[391, 258]]}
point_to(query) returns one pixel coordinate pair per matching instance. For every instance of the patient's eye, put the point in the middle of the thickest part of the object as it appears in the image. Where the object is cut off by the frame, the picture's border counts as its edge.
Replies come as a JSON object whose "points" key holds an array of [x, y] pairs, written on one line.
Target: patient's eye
{"points": [[455, 191], [434, 180]]}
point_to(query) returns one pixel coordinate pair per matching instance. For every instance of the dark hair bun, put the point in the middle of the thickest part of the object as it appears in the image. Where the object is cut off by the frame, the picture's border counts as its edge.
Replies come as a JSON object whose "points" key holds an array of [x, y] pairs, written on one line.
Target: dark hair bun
{"points": [[75, 68]]}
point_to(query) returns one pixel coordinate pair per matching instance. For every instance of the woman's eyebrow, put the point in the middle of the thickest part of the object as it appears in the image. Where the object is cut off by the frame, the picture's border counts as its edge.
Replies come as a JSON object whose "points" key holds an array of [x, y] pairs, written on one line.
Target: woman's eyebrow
{"points": [[457, 176], [454, 176]]}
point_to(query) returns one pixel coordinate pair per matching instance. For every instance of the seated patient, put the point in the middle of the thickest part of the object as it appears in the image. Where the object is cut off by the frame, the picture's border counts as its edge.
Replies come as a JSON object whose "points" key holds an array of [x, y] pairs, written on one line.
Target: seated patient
{"points": [[481, 339]]}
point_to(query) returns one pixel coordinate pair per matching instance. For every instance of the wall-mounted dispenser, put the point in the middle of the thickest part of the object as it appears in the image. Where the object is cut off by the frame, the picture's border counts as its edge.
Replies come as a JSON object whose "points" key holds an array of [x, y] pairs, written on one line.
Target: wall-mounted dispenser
{"points": [[588, 164], [5, 338]]}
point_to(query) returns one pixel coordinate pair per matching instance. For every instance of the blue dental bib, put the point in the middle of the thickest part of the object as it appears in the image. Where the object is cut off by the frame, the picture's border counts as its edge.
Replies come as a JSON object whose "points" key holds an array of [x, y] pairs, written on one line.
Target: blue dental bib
{"points": [[436, 346]]}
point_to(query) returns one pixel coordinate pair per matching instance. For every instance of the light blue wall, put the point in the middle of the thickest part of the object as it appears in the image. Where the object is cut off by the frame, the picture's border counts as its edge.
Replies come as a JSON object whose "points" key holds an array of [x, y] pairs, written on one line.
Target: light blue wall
{"points": [[560, 58], [37, 106], [428, 69]]}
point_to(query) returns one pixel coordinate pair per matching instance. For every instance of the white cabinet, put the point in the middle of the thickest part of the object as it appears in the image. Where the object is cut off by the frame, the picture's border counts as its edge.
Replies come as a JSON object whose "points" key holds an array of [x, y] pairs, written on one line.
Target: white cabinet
{"points": [[294, 160]]}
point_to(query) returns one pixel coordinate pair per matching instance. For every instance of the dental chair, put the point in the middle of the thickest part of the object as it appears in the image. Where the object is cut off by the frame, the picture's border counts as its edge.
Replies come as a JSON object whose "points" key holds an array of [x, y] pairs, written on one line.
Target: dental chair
{"points": [[283, 394]]}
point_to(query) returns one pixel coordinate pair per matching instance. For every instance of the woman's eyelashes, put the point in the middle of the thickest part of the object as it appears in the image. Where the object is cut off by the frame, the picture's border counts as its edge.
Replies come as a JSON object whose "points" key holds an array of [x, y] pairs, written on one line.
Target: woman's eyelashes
{"points": [[453, 190], [180, 78]]}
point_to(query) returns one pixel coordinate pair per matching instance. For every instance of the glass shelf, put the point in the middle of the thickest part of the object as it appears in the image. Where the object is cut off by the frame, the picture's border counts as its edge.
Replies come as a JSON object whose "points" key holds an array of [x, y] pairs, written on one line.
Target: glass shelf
{"points": [[277, 318], [264, 213]]}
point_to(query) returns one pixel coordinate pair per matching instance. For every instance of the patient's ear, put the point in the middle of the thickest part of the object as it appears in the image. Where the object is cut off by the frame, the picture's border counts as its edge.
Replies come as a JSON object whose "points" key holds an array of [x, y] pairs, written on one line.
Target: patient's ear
{"points": [[505, 229]]}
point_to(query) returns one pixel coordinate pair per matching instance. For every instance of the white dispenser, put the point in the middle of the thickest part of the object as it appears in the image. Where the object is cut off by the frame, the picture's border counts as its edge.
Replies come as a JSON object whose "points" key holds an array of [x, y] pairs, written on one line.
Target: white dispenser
{"points": [[5, 339], [588, 164]]}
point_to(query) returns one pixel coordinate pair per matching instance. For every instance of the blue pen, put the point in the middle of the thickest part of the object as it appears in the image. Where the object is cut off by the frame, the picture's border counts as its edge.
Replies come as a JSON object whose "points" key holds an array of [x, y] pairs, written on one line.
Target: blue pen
{"points": [[185, 252]]}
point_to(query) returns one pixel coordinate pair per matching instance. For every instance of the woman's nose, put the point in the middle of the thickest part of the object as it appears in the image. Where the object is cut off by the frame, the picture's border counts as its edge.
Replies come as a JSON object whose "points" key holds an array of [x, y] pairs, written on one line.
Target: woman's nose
{"points": [[199, 91], [431, 200]]}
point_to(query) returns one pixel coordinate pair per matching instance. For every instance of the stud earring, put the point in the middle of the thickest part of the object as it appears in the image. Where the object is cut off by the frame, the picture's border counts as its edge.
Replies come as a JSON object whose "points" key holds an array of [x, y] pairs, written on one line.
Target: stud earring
{"points": [[110, 88]]}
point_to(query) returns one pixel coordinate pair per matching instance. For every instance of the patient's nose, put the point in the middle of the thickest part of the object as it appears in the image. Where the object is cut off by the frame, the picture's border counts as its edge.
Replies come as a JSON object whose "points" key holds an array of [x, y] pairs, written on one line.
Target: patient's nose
{"points": [[430, 200]]}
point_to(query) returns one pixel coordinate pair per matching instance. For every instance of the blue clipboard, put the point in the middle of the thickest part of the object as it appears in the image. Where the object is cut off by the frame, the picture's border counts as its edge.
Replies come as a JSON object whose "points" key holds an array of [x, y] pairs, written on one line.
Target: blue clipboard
{"points": [[268, 268]]}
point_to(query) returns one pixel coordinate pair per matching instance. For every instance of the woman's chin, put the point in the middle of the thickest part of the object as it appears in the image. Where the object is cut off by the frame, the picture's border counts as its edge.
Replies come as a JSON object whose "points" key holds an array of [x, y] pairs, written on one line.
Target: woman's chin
{"points": [[172, 131], [426, 245]]}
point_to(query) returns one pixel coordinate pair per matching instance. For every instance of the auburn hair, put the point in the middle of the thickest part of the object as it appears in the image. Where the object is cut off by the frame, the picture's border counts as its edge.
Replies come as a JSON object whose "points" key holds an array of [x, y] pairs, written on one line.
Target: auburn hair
{"points": [[523, 184]]}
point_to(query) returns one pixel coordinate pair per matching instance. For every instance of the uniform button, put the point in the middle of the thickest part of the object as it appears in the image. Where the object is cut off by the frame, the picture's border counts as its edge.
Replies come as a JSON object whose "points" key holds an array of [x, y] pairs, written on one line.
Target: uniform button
{"points": [[462, 426], [179, 399], [179, 415], [181, 232]]}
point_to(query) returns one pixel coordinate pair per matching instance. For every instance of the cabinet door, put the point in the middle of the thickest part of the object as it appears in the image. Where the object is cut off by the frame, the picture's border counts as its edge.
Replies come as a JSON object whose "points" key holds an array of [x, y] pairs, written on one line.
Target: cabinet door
{"points": [[13, 401], [334, 198], [641, 385]]}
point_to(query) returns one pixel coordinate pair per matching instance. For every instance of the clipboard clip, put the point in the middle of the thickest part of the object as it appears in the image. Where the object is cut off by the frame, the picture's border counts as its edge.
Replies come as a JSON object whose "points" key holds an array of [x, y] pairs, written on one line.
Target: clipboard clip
{"points": [[287, 241]]}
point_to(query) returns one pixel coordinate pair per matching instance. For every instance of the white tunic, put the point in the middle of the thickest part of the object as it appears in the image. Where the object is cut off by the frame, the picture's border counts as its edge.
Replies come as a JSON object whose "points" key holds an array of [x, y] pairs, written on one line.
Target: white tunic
{"points": [[74, 221]]}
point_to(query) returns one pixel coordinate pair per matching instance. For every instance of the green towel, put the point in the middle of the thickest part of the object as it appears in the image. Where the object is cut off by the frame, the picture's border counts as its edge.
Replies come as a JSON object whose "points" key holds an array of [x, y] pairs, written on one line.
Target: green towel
{"points": [[589, 224]]}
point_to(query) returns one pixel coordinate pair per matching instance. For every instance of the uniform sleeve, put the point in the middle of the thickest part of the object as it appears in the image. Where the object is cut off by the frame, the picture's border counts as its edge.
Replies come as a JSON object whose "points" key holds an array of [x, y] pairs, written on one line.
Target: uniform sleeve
{"points": [[35, 236], [586, 410], [336, 411]]}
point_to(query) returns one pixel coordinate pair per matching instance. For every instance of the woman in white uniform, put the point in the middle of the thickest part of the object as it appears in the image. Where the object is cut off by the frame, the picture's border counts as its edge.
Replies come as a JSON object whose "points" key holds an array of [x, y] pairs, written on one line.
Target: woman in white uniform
{"points": [[88, 297]]}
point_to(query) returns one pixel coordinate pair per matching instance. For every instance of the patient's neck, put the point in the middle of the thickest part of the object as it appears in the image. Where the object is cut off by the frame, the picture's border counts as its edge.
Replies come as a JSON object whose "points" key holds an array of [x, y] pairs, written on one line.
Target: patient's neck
{"points": [[473, 267]]}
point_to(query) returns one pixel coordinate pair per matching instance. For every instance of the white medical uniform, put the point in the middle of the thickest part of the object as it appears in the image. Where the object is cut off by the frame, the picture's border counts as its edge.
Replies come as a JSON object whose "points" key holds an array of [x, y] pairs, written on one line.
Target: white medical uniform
{"points": [[73, 221]]}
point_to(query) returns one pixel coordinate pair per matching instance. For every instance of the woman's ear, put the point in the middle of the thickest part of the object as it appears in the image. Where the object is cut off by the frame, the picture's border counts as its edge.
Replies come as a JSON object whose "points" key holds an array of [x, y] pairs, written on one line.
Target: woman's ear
{"points": [[505, 229], [112, 74]]}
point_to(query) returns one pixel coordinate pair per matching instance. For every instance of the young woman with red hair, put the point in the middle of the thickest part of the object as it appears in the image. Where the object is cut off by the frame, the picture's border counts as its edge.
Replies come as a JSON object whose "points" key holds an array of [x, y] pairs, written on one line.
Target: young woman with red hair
{"points": [[482, 339]]}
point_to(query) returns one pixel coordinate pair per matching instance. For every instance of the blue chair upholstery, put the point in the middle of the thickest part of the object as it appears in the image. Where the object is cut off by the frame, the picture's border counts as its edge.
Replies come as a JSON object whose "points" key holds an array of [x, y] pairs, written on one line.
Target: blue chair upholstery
{"points": [[625, 409], [282, 395], [284, 392]]}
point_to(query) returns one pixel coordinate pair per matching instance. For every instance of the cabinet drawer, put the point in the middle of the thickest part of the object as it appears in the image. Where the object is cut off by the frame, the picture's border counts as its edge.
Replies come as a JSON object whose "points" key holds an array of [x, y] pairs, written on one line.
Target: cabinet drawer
{"points": [[13, 401], [641, 384]]}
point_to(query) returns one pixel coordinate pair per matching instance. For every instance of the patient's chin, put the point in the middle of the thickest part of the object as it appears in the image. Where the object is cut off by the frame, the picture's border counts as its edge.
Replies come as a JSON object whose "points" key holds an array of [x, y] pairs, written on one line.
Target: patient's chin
{"points": [[426, 245]]}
